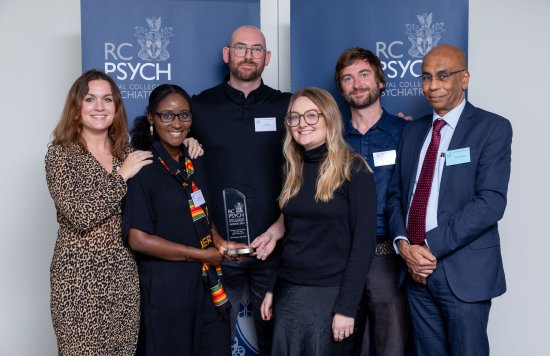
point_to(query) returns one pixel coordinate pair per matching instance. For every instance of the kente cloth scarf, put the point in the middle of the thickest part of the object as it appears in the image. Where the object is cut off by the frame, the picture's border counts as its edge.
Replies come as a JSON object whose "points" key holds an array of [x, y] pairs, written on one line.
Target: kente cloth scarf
{"points": [[201, 221]]}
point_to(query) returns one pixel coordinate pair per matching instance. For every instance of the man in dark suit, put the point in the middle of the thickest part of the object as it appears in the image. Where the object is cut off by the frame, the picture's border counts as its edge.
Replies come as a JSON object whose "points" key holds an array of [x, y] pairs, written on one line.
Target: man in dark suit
{"points": [[446, 197]]}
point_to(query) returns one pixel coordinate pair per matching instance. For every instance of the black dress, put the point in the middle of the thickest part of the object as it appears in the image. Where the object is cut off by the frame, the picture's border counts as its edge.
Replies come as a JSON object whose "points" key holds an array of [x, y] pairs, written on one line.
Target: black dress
{"points": [[178, 315]]}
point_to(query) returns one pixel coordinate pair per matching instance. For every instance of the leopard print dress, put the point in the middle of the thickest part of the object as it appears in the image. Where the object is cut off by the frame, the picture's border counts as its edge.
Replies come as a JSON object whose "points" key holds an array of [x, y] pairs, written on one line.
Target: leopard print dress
{"points": [[94, 280]]}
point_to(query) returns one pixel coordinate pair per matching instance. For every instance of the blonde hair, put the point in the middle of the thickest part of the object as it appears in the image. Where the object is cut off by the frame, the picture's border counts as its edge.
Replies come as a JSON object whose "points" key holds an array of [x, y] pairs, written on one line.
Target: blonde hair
{"points": [[335, 168], [69, 128]]}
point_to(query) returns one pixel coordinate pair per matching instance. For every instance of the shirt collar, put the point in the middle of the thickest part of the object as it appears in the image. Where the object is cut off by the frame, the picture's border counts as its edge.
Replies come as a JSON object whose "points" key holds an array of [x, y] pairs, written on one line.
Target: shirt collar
{"points": [[381, 124], [451, 118], [237, 95], [384, 122]]}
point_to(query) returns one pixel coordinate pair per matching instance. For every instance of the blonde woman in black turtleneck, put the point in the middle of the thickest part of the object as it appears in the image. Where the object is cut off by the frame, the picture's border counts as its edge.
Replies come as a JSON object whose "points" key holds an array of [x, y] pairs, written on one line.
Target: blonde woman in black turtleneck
{"points": [[328, 205]]}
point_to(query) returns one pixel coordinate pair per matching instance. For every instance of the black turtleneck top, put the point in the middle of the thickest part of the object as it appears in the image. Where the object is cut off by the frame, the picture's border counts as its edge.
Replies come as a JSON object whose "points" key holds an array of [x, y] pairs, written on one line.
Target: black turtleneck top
{"points": [[332, 243]]}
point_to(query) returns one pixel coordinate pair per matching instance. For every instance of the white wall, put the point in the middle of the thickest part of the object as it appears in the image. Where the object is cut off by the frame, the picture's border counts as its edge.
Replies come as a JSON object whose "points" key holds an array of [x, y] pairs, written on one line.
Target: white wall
{"points": [[509, 58], [40, 58]]}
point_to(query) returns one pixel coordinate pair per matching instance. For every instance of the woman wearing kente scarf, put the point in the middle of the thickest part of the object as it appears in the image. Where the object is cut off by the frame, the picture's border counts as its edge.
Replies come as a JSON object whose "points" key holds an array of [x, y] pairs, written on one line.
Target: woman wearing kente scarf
{"points": [[184, 307], [328, 204]]}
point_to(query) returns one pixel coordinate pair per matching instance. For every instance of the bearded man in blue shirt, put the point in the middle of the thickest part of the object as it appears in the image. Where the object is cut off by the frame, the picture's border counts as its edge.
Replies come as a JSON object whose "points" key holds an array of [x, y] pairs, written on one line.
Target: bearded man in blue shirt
{"points": [[375, 134]]}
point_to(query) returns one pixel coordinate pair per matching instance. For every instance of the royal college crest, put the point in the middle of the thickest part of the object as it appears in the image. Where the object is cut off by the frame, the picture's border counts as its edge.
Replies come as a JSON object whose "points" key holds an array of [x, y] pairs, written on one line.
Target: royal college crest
{"points": [[424, 37], [245, 342], [239, 208], [153, 40]]}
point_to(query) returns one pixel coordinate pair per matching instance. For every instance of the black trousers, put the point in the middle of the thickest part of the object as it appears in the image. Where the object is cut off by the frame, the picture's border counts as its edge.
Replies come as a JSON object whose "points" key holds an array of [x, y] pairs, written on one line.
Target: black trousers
{"points": [[257, 275], [386, 328]]}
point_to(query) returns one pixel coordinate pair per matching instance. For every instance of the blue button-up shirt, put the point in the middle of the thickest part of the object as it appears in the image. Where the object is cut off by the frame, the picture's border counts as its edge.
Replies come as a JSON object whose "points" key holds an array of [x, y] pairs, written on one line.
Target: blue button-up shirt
{"points": [[382, 137]]}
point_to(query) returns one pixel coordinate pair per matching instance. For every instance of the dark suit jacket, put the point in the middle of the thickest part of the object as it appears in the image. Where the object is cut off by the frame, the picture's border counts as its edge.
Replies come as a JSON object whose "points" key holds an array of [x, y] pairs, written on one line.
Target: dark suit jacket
{"points": [[472, 200]]}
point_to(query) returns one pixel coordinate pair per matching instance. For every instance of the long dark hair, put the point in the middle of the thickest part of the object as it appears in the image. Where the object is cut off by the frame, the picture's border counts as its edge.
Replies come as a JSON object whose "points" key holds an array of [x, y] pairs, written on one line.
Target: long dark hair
{"points": [[141, 136]]}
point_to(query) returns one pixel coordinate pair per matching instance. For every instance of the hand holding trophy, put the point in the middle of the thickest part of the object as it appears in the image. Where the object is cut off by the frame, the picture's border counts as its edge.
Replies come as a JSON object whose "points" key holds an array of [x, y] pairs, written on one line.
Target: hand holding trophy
{"points": [[236, 222]]}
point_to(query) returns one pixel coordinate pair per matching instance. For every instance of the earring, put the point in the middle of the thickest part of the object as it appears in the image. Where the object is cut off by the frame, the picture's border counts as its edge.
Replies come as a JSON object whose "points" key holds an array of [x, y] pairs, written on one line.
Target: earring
{"points": [[151, 129]]}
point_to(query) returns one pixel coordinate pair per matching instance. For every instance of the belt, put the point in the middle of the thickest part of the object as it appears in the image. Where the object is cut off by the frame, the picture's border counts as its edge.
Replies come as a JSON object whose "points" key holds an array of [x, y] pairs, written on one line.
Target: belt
{"points": [[384, 248]]}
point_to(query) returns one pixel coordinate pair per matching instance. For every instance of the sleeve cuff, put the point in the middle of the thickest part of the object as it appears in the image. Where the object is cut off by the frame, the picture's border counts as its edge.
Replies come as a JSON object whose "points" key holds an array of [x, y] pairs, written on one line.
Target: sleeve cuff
{"points": [[395, 243]]}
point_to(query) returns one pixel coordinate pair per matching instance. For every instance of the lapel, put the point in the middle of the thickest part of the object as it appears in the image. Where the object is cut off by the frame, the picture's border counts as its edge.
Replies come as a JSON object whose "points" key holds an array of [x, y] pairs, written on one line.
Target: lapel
{"points": [[457, 141], [424, 128]]}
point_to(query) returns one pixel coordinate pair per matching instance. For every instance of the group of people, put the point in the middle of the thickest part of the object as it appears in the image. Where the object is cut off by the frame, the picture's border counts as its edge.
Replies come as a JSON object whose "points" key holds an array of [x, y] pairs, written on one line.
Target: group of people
{"points": [[372, 235]]}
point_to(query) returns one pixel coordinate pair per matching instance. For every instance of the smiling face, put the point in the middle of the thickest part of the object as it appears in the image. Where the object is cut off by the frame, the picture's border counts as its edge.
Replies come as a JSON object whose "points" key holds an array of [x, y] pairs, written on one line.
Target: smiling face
{"points": [[98, 108], [445, 95], [308, 136], [171, 134], [246, 68], [359, 84]]}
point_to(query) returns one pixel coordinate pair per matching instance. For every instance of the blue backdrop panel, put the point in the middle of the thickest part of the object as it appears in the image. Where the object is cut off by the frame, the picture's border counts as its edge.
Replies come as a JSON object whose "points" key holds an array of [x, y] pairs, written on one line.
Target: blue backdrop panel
{"points": [[142, 44], [400, 32]]}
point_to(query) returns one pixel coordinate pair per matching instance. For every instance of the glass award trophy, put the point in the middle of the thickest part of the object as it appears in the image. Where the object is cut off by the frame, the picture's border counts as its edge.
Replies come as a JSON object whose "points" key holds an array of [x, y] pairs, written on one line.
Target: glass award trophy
{"points": [[236, 221]]}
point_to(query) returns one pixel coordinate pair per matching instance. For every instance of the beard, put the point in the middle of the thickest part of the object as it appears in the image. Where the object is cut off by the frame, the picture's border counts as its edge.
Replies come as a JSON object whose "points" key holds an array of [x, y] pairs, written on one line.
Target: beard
{"points": [[246, 75], [364, 102]]}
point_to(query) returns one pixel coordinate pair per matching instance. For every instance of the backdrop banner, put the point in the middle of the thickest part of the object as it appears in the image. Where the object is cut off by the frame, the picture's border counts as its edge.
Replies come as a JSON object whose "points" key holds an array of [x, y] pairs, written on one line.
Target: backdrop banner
{"points": [[399, 32], [142, 44]]}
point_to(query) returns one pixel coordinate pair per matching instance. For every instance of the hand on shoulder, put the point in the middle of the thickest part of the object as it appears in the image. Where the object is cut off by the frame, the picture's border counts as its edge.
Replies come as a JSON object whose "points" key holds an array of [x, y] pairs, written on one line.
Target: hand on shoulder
{"points": [[134, 162]]}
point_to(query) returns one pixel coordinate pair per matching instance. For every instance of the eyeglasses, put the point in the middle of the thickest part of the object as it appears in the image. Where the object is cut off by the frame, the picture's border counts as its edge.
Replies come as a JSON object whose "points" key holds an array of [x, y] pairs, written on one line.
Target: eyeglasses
{"points": [[311, 117], [240, 51], [167, 116], [442, 75]]}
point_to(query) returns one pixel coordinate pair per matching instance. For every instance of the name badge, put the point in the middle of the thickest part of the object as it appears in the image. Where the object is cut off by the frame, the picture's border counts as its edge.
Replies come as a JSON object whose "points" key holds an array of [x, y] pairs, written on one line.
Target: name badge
{"points": [[197, 198], [265, 124], [385, 158], [458, 156]]}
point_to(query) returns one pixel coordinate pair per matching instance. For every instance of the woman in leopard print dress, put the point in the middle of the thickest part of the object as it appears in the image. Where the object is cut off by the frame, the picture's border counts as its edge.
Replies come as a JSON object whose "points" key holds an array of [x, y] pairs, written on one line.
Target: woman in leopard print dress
{"points": [[94, 281]]}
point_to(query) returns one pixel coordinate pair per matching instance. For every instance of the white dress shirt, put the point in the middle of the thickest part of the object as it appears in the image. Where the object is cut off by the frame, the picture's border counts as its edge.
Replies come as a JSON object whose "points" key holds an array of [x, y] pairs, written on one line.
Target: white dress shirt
{"points": [[451, 120]]}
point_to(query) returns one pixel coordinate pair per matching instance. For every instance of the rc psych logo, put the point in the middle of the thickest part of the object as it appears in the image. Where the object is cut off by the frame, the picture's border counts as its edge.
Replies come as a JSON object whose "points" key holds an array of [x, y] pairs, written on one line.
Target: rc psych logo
{"points": [[425, 37], [245, 342], [153, 40], [152, 64], [403, 67]]}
